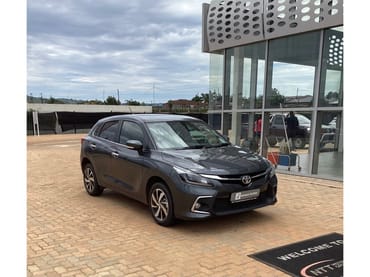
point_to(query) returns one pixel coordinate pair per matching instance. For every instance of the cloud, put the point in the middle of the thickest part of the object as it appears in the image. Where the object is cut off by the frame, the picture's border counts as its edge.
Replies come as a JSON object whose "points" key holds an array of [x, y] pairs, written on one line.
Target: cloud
{"points": [[86, 49]]}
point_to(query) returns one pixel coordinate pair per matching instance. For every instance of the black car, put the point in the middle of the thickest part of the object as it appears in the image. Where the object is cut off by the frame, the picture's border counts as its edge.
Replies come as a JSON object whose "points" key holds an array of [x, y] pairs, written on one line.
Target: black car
{"points": [[177, 165]]}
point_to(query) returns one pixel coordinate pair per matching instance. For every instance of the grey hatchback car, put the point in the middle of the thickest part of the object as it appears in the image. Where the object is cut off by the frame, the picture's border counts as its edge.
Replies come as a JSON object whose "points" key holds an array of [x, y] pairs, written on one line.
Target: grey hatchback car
{"points": [[177, 165]]}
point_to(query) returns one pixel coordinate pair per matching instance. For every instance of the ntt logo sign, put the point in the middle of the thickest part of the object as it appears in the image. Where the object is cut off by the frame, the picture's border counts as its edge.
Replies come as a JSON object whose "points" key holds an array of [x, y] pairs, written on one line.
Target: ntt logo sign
{"points": [[321, 268]]}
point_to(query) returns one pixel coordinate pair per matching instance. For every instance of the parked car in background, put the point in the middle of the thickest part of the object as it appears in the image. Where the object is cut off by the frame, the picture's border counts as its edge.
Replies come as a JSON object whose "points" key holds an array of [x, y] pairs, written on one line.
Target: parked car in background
{"points": [[277, 132], [177, 165]]}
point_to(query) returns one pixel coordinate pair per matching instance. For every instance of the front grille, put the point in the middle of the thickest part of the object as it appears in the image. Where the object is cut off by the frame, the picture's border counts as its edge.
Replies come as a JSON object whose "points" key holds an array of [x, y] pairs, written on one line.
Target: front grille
{"points": [[223, 205], [237, 179]]}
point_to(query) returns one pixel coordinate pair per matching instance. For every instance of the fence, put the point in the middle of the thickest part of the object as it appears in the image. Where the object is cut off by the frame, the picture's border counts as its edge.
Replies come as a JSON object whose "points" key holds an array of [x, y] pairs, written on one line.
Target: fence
{"points": [[73, 122]]}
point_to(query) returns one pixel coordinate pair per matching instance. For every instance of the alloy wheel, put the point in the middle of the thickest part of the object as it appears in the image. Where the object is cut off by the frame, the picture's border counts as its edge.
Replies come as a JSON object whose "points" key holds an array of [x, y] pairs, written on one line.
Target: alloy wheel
{"points": [[89, 179], [159, 204]]}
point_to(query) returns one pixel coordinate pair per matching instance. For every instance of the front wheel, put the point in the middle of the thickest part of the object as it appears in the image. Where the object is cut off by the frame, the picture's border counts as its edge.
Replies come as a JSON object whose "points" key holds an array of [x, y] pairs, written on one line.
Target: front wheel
{"points": [[161, 204], [90, 182]]}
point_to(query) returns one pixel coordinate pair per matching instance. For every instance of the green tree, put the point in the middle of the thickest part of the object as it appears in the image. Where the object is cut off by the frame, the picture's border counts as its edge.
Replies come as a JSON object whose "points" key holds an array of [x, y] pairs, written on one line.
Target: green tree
{"points": [[95, 102], [53, 100], [196, 98], [203, 98], [133, 102], [277, 98], [111, 100]]}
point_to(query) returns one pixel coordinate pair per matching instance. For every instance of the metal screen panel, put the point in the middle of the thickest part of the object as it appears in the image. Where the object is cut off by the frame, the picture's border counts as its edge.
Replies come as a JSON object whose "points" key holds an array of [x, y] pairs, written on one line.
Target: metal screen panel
{"points": [[230, 23], [234, 22], [286, 17]]}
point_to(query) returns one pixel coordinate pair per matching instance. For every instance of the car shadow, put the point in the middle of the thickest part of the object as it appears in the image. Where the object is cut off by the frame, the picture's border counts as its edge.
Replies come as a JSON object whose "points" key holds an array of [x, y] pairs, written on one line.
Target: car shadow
{"points": [[221, 224], [209, 226]]}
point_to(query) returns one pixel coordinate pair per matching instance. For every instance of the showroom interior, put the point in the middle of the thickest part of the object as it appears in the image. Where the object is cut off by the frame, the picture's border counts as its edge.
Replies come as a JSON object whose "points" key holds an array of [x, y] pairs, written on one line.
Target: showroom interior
{"points": [[270, 57]]}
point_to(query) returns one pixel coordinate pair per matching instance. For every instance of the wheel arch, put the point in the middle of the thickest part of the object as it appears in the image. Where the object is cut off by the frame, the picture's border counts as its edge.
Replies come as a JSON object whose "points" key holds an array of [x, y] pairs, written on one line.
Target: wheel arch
{"points": [[151, 182], [84, 162]]}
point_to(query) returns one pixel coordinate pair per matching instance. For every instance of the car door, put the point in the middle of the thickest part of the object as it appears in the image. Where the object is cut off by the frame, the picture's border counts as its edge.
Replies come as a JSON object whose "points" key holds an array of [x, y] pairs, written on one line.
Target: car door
{"points": [[100, 148], [127, 163]]}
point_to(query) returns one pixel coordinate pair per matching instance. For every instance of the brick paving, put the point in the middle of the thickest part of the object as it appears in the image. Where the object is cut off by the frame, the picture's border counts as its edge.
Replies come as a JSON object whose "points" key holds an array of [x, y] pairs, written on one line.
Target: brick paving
{"points": [[70, 233]]}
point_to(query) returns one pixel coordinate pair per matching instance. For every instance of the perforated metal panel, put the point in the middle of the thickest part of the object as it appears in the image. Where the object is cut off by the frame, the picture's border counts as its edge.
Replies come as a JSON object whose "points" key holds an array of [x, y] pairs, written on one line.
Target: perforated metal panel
{"points": [[285, 17], [229, 23], [334, 50]]}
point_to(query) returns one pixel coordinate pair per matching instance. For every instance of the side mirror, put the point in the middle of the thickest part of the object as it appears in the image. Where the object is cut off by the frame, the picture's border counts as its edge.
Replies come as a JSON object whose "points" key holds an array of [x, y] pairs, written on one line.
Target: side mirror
{"points": [[135, 145]]}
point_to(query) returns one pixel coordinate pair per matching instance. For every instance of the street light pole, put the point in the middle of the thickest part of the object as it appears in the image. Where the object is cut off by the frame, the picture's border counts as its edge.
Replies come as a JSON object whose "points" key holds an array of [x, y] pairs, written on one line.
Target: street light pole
{"points": [[153, 94]]}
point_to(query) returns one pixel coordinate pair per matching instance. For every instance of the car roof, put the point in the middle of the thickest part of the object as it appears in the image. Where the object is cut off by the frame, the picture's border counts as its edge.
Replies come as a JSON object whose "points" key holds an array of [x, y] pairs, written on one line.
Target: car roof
{"points": [[150, 117]]}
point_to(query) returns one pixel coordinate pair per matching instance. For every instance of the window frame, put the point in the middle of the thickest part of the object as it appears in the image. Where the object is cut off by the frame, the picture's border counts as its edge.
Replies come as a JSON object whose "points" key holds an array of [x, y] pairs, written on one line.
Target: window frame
{"points": [[143, 141], [100, 129]]}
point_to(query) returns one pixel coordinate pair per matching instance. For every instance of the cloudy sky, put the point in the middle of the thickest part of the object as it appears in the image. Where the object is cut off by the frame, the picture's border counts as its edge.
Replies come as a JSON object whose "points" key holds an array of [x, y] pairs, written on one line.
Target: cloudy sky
{"points": [[89, 49]]}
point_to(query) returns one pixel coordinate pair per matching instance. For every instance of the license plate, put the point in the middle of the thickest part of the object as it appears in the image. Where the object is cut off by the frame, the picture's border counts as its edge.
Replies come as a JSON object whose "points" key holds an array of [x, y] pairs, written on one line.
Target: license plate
{"points": [[245, 195]]}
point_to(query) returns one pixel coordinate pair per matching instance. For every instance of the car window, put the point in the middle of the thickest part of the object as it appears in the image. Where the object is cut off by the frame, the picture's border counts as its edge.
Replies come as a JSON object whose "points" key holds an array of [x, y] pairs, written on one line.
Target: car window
{"points": [[278, 120], [184, 134], [97, 130], [109, 130], [131, 131]]}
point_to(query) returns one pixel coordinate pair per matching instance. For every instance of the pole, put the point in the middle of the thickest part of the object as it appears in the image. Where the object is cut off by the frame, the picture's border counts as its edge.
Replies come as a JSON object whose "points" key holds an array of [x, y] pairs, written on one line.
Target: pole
{"points": [[286, 134], [153, 94]]}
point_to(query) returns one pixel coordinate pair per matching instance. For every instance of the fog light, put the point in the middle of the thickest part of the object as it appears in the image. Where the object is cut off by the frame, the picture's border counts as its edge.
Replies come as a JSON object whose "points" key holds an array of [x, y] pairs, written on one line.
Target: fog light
{"points": [[201, 208]]}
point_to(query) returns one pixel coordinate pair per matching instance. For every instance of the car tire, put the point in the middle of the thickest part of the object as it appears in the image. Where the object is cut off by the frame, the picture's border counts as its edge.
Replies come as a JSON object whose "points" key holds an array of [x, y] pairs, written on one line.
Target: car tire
{"points": [[91, 184], [161, 204], [299, 143]]}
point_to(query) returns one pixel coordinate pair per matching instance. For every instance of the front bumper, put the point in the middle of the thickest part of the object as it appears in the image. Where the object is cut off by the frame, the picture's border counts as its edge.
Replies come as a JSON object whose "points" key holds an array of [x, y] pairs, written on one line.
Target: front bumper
{"points": [[198, 202]]}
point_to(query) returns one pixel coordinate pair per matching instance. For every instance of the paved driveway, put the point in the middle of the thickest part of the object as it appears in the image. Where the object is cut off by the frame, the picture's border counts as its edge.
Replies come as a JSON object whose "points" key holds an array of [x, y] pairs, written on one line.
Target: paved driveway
{"points": [[73, 234]]}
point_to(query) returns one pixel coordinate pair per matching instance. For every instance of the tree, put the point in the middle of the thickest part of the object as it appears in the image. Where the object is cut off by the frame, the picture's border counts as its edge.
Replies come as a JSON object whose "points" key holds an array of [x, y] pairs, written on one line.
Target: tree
{"points": [[196, 98], [52, 100], [203, 98], [95, 102], [133, 102], [111, 100], [276, 98]]}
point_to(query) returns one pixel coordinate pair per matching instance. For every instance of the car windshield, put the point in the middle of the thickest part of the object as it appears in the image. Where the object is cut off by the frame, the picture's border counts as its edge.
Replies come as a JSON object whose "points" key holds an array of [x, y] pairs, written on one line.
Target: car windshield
{"points": [[184, 135]]}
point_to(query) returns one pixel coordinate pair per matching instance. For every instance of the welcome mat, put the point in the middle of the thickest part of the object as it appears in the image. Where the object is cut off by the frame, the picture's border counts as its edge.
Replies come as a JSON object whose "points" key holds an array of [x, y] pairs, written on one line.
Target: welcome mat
{"points": [[316, 257]]}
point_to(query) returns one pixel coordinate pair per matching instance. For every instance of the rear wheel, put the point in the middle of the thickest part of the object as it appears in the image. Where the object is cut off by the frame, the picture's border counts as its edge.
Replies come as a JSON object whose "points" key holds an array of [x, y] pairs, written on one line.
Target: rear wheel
{"points": [[299, 142], [161, 204], [90, 182]]}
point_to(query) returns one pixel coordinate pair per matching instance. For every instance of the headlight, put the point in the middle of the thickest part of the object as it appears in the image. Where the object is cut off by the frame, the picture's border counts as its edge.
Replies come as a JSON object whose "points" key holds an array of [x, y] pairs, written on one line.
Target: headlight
{"points": [[191, 177]]}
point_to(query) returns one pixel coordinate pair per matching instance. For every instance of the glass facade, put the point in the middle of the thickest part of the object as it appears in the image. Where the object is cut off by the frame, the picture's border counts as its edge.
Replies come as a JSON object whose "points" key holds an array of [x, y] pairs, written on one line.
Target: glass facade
{"points": [[261, 83]]}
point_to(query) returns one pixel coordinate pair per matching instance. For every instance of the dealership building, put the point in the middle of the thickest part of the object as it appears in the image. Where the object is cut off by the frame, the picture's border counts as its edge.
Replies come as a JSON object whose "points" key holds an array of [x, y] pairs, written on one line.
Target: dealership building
{"points": [[270, 57]]}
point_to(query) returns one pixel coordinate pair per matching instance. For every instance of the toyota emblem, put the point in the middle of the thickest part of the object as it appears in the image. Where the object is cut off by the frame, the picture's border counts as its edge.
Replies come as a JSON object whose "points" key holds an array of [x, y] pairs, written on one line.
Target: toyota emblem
{"points": [[246, 180]]}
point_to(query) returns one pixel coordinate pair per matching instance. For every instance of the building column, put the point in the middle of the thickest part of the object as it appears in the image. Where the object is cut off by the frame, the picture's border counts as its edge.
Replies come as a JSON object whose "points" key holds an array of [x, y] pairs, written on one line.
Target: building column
{"points": [[236, 92]]}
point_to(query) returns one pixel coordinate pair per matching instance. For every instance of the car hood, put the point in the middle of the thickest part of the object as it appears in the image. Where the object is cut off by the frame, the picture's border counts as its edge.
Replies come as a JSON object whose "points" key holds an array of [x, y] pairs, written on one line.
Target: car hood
{"points": [[226, 160]]}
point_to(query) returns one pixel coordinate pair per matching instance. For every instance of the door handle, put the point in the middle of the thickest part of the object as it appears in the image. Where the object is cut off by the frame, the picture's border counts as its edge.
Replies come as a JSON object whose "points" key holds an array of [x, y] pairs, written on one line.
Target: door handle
{"points": [[114, 154], [92, 146]]}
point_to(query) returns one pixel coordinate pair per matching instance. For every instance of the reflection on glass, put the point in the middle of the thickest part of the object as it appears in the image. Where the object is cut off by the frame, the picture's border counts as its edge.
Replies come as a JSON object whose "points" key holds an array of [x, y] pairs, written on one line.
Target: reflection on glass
{"points": [[244, 76], [291, 73], [214, 120], [331, 89], [330, 153], [296, 148], [216, 81]]}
